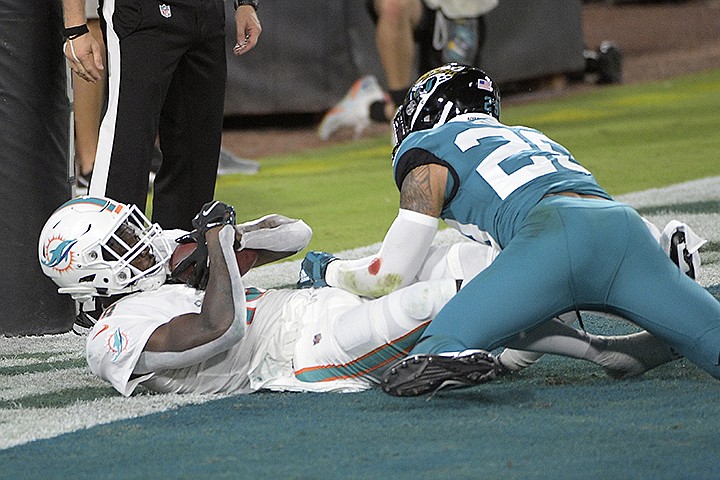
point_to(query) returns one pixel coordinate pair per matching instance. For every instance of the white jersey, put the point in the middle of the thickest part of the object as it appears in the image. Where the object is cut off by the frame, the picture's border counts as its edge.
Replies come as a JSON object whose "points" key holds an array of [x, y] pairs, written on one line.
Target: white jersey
{"points": [[262, 359], [315, 340]]}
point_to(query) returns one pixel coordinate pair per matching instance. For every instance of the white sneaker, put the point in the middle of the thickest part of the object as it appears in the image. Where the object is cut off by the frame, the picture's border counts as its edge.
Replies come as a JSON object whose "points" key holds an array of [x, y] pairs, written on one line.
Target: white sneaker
{"points": [[353, 111]]}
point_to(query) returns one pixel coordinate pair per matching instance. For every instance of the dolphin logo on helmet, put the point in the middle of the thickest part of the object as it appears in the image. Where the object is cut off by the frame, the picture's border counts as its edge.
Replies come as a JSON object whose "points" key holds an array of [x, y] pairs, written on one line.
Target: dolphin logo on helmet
{"points": [[58, 254]]}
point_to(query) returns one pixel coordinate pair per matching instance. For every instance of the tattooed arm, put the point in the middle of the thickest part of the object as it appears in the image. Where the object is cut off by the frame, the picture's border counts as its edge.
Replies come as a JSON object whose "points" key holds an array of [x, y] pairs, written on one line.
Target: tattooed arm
{"points": [[423, 190], [406, 244]]}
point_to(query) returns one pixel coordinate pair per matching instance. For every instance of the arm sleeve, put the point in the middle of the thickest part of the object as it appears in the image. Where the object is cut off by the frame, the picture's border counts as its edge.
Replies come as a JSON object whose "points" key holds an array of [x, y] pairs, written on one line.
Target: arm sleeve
{"points": [[276, 233], [396, 265], [153, 361]]}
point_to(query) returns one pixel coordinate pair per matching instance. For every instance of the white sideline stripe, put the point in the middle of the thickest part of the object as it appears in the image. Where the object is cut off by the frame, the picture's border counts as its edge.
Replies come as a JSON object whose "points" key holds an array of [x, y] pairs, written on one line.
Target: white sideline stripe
{"points": [[27, 425], [693, 191], [22, 425], [47, 382]]}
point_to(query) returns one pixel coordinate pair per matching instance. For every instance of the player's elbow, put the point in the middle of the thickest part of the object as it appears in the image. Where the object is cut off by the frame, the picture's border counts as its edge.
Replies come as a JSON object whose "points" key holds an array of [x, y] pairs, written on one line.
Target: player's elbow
{"points": [[227, 327], [301, 233]]}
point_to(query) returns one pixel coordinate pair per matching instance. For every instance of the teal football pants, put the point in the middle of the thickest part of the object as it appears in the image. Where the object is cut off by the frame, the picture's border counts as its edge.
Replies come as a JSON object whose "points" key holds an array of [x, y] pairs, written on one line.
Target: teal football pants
{"points": [[583, 254]]}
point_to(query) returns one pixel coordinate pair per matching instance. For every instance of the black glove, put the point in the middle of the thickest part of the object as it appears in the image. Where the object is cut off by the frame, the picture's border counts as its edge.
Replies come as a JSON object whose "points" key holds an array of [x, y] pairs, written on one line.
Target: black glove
{"points": [[197, 260], [213, 214]]}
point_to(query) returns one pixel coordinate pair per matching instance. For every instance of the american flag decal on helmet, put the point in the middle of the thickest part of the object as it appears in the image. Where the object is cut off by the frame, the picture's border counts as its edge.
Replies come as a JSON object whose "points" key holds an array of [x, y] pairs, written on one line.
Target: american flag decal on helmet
{"points": [[485, 84]]}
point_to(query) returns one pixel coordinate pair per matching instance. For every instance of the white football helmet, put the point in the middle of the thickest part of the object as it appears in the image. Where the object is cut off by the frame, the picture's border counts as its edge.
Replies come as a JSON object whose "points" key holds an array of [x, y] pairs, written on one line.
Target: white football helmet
{"points": [[93, 246]]}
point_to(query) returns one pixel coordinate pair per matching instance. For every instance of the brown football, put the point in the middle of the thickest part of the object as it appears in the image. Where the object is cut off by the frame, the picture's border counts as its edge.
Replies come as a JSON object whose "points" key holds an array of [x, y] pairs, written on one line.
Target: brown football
{"points": [[246, 258]]}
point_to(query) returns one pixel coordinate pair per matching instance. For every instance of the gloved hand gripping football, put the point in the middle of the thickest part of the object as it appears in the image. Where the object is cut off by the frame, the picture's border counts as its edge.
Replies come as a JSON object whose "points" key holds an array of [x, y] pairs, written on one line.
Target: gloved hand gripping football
{"points": [[212, 214], [313, 269]]}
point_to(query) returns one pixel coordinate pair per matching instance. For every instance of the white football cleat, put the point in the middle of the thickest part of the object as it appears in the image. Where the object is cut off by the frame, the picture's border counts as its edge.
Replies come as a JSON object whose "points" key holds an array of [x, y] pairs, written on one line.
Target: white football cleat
{"points": [[353, 111]]}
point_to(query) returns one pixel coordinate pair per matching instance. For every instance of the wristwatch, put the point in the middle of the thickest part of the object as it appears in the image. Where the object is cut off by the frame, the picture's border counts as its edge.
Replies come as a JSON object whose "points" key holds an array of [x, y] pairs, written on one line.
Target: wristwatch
{"points": [[252, 3]]}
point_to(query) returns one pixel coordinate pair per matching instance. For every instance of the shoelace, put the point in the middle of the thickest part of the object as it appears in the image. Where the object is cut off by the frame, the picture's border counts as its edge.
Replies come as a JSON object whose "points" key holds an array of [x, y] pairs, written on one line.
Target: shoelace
{"points": [[440, 31]]}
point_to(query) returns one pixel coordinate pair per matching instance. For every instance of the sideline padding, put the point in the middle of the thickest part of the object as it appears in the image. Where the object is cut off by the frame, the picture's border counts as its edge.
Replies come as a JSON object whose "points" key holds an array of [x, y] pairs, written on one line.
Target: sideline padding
{"points": [[34, 118]]}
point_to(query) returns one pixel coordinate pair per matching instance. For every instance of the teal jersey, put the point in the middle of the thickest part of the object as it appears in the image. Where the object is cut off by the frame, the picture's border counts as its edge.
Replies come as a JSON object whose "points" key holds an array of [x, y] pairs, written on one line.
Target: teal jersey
{"points": [[497, 173]]}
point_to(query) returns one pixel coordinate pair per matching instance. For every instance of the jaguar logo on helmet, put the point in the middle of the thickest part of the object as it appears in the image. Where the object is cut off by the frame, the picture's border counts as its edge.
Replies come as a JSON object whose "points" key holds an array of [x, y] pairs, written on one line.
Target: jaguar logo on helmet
{"points": [[442, 74], [429, 85]]}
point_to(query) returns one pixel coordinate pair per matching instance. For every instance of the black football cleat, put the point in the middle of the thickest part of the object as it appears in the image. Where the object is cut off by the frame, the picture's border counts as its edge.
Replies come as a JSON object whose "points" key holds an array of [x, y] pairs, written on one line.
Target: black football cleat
{"points": [[421, 373]]}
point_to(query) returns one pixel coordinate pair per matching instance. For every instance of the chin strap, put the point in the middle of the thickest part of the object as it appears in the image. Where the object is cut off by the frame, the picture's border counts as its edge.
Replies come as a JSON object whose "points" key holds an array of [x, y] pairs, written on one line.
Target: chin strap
{"points": [[151, 282], [80, 294]]}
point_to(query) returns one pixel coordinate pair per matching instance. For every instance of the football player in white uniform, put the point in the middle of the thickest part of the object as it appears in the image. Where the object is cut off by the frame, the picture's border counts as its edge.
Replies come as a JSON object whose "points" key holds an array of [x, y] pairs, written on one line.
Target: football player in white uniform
{"points": [[228, 337]]}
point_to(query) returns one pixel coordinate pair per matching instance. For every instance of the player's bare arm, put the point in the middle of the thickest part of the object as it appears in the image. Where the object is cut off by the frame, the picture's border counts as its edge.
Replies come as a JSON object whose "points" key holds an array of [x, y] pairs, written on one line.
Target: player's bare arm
{"points": [[406, 243], [217, 315], [423, 190]]}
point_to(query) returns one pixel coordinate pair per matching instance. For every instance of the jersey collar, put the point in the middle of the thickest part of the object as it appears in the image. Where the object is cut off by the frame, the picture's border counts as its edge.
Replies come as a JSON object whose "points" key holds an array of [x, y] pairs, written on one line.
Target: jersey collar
{"points": [[472, 116]]}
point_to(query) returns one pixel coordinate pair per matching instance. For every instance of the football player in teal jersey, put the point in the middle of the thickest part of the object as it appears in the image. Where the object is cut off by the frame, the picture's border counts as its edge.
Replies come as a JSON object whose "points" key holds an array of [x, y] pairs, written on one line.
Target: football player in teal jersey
{"points": [[564, 243]]}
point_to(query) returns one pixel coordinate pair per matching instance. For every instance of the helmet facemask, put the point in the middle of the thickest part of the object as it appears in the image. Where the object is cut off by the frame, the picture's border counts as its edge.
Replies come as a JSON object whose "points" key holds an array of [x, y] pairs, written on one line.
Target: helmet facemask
{"points": [[129, 249]]}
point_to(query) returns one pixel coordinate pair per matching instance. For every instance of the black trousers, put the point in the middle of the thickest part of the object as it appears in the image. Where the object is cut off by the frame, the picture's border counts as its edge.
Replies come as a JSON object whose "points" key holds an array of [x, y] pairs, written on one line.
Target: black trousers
{"points": [[166, 76]]}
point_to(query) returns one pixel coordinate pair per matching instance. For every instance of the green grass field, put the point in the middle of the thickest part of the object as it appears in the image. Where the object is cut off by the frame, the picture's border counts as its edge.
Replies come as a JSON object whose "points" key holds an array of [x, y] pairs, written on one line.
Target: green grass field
{"points": [[631, 137], [560, 419]]}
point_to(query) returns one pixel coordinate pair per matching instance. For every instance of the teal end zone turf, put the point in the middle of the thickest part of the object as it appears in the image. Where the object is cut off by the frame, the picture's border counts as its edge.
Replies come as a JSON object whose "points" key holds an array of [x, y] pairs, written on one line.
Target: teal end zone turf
{"points": [[561, 421]]}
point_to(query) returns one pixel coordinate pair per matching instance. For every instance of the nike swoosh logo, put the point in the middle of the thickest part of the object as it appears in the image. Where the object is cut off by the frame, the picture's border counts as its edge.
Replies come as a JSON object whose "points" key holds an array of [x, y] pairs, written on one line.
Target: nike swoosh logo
{"points": [[105, 327], [209, 209]]}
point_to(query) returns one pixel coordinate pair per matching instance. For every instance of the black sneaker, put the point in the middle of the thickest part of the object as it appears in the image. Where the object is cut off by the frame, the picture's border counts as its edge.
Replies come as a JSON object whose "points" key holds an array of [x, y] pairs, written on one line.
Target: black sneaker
{"points": [[84, 322], [418, 374], [610, 61], [605, 63]]}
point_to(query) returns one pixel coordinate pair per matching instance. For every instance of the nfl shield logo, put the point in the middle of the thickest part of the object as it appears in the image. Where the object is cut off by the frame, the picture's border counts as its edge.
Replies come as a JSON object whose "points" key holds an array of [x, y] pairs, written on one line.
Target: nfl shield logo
{"points": [[165, 10]]}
